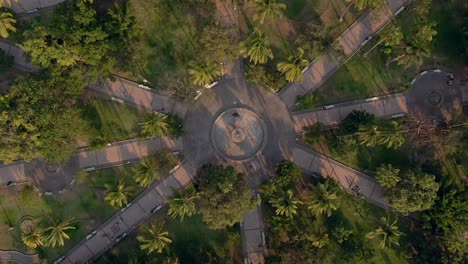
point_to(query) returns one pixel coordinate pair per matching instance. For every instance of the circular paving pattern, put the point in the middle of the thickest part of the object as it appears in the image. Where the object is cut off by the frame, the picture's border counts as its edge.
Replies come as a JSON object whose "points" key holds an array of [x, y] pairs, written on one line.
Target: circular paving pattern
{"points": [[238, 134]]}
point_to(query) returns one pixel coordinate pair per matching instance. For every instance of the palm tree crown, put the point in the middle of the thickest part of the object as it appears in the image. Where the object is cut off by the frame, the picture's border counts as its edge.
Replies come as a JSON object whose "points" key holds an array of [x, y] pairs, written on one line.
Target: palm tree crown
{"points": [[155, 239], [203, 74], [146, 173], [182, 205], [257, 47], [369, 135], [154, 125], [388, 231], [268, 10], [33, 238], [292, 69], [117, 196], [393, 135], [56, 234], [7, 22], [363, 4], [323, 200], [286, 204]]}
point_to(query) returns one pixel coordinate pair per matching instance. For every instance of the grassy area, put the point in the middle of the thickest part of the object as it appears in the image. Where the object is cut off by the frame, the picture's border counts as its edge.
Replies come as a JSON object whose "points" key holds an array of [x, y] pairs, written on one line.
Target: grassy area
{"points": [[363, 77], [113, 121], [192, 242], [169, 37], [368, 76], [84, 202]]}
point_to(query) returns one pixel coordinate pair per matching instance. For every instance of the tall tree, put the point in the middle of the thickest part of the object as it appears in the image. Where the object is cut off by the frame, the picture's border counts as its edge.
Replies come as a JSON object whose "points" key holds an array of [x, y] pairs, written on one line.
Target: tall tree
{"points": [[117, 195], [266, 10], [387, 231], [323, 200], [33, 238], [155, 238], [147, 172], [7, 23], [293, 67], [416, 191], [285, 203], [363, 4], [224, 196], [29, 130], [369, 135], [73, 39], [257, 47], [203, 74], [155, 125], [56, 233], [392, 135], [387, 176], [419, 46], [182, 204], [390, 37]]}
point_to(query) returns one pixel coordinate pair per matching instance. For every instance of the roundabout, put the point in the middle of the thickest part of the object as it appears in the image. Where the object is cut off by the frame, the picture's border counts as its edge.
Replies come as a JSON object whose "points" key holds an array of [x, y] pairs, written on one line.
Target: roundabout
{"points": [[238, 134]]}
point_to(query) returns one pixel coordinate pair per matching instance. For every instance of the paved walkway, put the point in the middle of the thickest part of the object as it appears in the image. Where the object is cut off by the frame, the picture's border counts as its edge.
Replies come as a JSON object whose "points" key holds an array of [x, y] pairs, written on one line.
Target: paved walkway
{"points": [[32, 6], [7, 256], [312, 162], [382, 107], [21, 61], [355, 37], [128, 218], [137, 95], [13, 172]]}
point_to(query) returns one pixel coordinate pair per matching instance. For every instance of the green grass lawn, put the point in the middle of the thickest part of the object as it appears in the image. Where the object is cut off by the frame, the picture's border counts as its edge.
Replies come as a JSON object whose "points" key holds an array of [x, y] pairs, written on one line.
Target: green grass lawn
{"points": [[169, 37], [84, 202], [113, 121], [368, 76], [361, 226], [192, 242]]}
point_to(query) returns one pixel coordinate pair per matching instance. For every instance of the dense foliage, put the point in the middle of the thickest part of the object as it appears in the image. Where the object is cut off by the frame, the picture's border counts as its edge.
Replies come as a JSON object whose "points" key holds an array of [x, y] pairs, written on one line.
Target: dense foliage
{"points": [[39, 117], [224, 196]]}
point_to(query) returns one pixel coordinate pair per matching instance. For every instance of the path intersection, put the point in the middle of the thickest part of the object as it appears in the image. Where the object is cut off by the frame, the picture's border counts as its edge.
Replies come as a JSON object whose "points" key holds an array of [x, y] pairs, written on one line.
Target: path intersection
{"points": [[240, 125]]}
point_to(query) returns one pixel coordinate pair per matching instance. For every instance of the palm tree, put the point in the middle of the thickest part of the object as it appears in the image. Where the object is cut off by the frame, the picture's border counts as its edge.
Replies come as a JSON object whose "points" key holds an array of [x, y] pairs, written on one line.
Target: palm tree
{"points": [[323, 200], [117, 196], [155, 125], [257, 47], [388, 231], [268, 10], [363, 4], [286, 204], [182, 205], [147, 172], [7, 22], [155, 239], [317, 234], [56, 234], [390, 37], [393, 135], [33, 238], [293, 68], [369, 135], [203, 74]]}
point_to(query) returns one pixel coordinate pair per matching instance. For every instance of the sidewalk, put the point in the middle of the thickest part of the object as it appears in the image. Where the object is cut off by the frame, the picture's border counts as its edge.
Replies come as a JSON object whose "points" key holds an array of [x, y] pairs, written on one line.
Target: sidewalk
{"points": [[7, 256], [31, 6], [389, 106], [129, 218], [353, 39], [312, 162]]}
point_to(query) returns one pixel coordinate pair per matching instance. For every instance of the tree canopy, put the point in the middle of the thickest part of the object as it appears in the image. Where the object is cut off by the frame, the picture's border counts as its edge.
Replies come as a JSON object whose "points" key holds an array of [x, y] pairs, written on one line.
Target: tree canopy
{"points": [[28, 129], [415, 191], [224, 196]]}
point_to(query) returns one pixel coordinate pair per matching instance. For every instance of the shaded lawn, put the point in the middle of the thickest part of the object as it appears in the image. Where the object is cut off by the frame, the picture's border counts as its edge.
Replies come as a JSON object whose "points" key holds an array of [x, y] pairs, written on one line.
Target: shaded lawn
{"points": [[113, 121], [84, 202], [366, 159], [169, 37], [191, 239], [363, 77], [347, 215]]}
